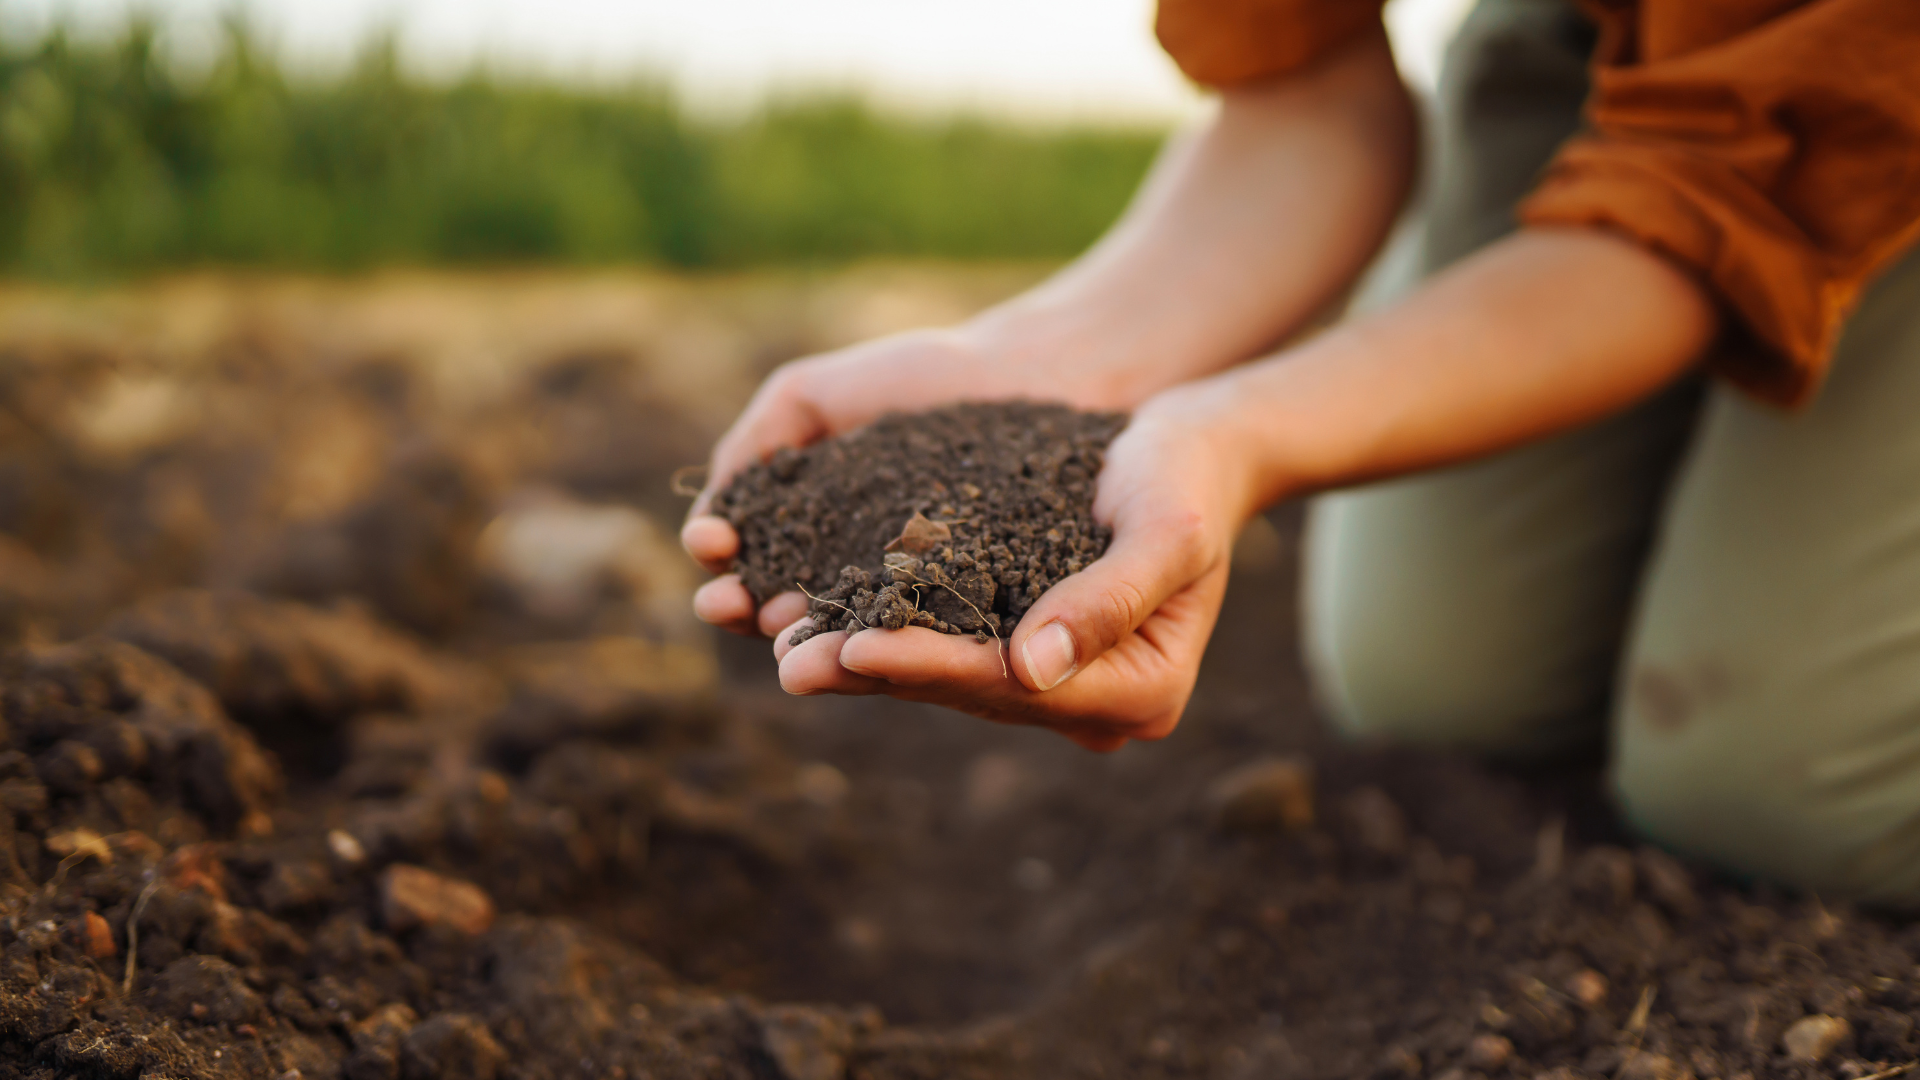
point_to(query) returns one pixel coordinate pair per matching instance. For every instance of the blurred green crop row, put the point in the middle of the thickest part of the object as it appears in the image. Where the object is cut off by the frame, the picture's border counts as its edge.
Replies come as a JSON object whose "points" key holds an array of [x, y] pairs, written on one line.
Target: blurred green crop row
{"points": [[112, 161]]}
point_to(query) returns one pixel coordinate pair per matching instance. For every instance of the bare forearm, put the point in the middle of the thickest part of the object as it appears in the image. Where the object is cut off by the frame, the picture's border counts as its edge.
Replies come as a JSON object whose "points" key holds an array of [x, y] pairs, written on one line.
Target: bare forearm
{"points": [[1540, 333], [1245, 230]]}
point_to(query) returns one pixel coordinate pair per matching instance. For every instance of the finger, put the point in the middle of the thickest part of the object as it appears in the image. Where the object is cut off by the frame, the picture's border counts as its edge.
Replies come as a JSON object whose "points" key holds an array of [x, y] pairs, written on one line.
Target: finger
{"points": [[725, 603], [918, 664], [1100, 742], [783, 640], [778, 415], [1136, 690], [813, 667], [782, 612], [1077, 620], [916, 657], [711, 540], [1140, 687]]}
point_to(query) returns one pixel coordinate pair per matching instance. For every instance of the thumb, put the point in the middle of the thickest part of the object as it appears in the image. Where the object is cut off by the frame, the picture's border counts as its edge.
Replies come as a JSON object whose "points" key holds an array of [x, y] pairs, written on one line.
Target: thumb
{"points": [[781, 413], [1079, 619]]}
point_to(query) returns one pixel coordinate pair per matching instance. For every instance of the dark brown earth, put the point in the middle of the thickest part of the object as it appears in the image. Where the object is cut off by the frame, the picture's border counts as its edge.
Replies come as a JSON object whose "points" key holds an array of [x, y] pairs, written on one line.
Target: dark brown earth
{"points": [[170, 912], [955, 519], [416, 818]]}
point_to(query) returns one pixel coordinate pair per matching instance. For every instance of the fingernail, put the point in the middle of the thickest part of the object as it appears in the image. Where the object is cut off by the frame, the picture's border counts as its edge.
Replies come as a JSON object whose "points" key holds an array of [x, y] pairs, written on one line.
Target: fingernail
{"points": [[857, 669], [1049, 656]]}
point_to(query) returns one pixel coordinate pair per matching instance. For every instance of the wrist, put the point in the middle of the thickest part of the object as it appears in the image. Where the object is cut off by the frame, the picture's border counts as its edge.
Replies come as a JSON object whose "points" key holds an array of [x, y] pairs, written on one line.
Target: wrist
{"points": [[1212, 416], [1068, 351]]}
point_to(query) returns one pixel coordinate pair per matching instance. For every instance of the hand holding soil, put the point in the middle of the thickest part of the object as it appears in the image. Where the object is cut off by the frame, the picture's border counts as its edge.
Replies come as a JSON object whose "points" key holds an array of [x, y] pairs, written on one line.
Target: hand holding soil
{"points": [[1107, 653], [823, 396], [802, 403]]}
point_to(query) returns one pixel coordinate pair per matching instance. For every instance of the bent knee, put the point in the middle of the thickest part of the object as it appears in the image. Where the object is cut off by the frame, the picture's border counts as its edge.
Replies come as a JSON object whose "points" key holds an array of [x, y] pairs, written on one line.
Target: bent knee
{"points": [[1399, 683], [1443, 652], [1758, 788]]}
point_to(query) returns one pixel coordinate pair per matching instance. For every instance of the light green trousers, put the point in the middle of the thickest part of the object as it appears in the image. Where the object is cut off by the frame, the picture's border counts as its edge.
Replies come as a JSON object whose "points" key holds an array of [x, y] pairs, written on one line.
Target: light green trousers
{"points": [[1729, 591]]}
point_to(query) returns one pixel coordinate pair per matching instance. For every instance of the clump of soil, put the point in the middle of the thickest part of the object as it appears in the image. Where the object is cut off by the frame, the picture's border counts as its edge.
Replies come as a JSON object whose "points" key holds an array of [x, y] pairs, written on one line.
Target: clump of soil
{"points": [[956, 519]]}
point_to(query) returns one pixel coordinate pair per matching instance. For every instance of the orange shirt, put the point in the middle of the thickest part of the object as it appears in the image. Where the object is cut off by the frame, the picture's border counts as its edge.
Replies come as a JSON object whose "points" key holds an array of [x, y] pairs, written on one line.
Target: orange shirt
{"points": [[1772, 146]]}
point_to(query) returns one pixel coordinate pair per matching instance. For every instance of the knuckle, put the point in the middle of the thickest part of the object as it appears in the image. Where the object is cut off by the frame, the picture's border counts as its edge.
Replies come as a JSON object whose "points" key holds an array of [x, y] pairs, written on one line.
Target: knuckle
{"points": [[1187, 535], [786, 374], [780, 385], [1122, 608], [1155, 729], [785, 385]]}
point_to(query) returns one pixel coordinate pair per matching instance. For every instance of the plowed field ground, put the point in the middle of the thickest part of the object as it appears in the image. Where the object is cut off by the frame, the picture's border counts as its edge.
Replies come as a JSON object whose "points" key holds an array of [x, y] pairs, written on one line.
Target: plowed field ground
{"points": [[355, 726]]}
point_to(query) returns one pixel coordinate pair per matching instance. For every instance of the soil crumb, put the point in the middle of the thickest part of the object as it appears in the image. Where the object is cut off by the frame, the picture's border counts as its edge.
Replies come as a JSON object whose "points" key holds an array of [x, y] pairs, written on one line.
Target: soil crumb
{"points": [[956, 519]]}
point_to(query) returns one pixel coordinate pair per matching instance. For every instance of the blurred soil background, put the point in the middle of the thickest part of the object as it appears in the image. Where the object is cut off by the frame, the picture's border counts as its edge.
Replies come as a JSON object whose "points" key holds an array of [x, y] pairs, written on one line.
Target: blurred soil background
{"points": [[479, 457], [354, 724]]}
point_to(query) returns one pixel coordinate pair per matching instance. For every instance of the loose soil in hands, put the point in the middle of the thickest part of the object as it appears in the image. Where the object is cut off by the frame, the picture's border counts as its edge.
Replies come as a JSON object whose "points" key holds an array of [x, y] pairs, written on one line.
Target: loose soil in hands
{"points": [[955, 519], [426, 821]]}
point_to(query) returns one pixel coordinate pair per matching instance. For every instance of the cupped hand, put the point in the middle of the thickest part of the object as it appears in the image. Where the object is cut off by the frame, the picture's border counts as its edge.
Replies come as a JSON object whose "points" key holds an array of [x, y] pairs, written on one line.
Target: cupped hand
{"points": [[822, 396], [1108, 654]]}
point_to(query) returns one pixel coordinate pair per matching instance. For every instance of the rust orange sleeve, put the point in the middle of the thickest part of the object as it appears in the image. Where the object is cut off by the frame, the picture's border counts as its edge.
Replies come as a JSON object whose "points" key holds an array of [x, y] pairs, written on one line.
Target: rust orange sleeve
{"points": [[1773, 148], [1225, 42]]}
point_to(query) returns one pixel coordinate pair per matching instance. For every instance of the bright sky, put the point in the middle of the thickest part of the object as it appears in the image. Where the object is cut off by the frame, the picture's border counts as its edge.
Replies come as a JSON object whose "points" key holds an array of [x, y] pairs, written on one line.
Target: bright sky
{"points": [[1055, 59]]}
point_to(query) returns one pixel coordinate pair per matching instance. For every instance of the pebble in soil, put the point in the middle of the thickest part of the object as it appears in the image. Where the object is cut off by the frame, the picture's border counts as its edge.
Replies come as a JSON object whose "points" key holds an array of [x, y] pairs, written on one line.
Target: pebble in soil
{"points": [[956, 519]]}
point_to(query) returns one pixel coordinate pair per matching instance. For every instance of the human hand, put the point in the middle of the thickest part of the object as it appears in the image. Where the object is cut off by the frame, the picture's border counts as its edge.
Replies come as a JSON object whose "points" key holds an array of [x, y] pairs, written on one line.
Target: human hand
{"points": [[1108, 654], [822, 396]]}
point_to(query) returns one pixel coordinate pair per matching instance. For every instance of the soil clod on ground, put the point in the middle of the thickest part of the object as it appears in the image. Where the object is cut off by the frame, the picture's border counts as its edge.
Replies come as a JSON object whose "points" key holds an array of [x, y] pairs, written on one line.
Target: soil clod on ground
{"points": [[955, 519]]}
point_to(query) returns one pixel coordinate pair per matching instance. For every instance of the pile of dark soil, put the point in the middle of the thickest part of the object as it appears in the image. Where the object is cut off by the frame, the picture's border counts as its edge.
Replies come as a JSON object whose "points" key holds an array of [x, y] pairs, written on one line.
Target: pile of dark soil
{"points": [[955, 519]]}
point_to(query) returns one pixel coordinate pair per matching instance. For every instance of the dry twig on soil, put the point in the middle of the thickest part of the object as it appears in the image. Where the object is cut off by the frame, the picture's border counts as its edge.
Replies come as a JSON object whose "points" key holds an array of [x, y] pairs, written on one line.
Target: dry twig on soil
{"points": [[851, 614], [133, 929], [682, 481], [1000, 647]]}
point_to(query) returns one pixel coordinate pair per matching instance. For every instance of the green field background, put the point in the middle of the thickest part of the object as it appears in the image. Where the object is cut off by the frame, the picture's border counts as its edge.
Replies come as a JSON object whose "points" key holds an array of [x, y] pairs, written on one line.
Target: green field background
{"points": [[112, 162]]}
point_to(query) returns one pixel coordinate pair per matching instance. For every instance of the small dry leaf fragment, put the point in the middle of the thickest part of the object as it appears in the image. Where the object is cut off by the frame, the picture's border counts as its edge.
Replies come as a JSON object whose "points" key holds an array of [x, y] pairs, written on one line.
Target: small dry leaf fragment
{"points": [[921, 535], [82, 842], [1642, 1009], [345, 847], [197, 867], [1266, 794], [96, 937], [1588, 987], [1812, 1038], [1488, 1052], [413, 896], [385, 1027]]}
